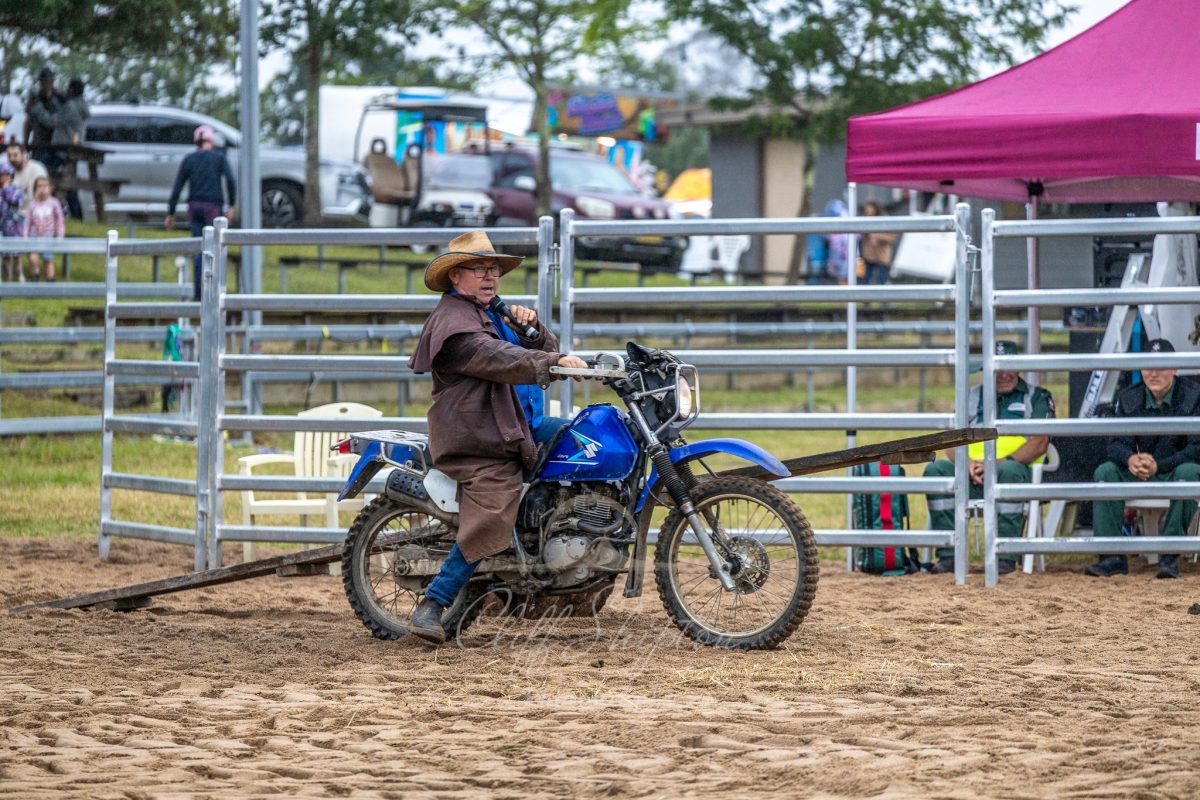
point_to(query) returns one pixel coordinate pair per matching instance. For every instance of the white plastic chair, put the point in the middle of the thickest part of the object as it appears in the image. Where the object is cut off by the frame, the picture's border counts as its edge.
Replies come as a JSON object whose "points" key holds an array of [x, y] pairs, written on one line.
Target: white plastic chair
{"points": [[727, 254], [1033, 524], [310, 458]]}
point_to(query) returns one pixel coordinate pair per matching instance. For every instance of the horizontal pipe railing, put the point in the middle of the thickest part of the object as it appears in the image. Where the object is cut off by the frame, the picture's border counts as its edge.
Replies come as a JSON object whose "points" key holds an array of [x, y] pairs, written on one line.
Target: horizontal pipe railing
{"points": [[89, 335], [141, 530], [1129, 296], [756, 227], [148, 483], [1015, 229], [909, 538], [373, 237], [1142, 490], [1111, 426], [865, 485], [185, 246], [273, 422], [1099, 544], [73, 246], [664, 298], [280, 533], [811, 357], [1087, 362], [155, 369], [147, 424], [829, 422], [39, 425], [380, 365], [154, 310], [291, 483], [74, 379], [91, 290]]}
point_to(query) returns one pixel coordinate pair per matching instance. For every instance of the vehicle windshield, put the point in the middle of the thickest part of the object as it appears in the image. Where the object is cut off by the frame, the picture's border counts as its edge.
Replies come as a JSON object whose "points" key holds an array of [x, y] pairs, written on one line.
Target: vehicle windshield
{"points": [[587, 175], [458, 171]]}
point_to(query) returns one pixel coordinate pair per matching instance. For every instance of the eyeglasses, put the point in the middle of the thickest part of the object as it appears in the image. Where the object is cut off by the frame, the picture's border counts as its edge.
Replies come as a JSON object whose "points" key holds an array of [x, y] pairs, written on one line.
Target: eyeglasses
{"points": [[489, 270]]}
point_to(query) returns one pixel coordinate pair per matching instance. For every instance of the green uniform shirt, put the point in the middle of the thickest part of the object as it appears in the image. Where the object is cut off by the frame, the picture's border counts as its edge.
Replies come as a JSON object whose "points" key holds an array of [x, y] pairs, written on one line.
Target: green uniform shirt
{"points": [[1013, 405]]}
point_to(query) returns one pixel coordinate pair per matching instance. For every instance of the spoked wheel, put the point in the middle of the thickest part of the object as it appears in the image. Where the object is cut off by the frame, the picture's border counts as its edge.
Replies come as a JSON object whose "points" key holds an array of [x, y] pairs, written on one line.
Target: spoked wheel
{"points": [[386, 567], [774, 556]]}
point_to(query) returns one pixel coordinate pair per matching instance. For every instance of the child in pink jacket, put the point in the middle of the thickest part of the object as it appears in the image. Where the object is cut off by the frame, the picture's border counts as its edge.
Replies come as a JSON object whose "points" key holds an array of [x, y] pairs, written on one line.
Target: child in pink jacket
{"points": [[44, 220]]}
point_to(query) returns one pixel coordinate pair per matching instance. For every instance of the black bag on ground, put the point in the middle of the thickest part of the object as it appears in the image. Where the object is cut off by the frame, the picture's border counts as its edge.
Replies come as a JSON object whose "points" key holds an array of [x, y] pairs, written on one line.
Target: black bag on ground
{"points": [[882, 512]]}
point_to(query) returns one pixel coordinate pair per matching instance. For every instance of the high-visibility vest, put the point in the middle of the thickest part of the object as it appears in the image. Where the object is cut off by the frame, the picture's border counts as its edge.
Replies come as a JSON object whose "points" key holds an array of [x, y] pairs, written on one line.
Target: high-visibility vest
{"points": [[1005, 445]]}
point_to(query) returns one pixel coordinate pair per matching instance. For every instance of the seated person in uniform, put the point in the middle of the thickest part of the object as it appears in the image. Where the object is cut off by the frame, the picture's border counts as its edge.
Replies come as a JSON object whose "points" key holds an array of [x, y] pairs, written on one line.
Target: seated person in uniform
{"points": [[1149, 458], [1014, 454]]}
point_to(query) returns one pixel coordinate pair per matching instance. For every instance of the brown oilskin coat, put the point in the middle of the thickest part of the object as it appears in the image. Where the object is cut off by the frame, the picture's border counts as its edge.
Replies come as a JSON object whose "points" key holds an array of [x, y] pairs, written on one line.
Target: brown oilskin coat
{"points": [[478, 434]]}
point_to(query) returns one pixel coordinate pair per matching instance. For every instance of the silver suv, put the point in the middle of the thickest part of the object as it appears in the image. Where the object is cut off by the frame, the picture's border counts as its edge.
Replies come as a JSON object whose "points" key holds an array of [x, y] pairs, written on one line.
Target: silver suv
{"points": [[145, 145]]}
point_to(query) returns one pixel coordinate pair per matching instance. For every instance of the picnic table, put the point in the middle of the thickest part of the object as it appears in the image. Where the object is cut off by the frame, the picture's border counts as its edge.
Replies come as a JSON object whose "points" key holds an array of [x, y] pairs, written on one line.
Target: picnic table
{"points": [[69, 179]]}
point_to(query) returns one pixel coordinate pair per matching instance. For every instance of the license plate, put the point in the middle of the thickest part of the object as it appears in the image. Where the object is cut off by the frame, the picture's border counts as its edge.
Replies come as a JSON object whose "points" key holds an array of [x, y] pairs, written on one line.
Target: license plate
{"points": [[648, 239]]}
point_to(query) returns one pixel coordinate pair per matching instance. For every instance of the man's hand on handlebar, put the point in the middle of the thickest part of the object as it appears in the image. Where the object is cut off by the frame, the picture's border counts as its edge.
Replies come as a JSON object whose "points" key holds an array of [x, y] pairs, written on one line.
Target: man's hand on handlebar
{"points": [[574, 362]]}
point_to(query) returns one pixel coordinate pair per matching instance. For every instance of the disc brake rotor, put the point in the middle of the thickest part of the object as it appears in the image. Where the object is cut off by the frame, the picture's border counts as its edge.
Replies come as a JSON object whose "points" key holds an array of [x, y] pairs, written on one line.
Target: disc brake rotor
{"points": [[753, 567]]}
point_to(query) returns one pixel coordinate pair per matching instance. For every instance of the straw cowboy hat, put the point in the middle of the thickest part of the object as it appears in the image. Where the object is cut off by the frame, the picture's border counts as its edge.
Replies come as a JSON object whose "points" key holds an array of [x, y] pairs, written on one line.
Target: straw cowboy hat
{"points": [[471, 246]]}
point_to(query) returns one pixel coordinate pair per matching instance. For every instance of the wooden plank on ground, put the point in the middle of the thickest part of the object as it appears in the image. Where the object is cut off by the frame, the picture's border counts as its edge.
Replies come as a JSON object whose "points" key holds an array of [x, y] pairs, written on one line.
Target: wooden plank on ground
{"points": [[192, 580], [128, 597], [910, 449]]}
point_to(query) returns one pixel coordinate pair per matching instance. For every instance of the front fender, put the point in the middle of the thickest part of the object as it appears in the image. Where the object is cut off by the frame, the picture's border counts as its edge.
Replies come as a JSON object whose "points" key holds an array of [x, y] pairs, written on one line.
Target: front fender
{"points": [[734, 447]]}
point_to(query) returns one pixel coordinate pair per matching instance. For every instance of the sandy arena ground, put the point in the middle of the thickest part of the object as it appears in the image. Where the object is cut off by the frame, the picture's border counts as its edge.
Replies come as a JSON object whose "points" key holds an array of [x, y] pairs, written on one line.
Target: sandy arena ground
{"points": [[1054, 686]]}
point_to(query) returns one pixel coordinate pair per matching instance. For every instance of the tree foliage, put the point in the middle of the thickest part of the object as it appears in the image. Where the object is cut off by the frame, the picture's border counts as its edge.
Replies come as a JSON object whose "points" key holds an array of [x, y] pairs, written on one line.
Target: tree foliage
{"points": [[318, 34], [831, 59], [545, 42], [205, 31]]}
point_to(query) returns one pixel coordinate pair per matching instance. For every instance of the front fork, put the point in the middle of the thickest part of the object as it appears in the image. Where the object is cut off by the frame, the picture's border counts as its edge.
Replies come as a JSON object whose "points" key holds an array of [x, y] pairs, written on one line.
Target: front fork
{"points": [[669, 475], [676, 487]]}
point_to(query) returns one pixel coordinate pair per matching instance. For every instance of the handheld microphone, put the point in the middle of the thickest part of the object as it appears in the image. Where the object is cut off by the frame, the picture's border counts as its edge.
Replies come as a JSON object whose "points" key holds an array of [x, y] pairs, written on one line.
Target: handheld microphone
{"points": [[497, 305]]}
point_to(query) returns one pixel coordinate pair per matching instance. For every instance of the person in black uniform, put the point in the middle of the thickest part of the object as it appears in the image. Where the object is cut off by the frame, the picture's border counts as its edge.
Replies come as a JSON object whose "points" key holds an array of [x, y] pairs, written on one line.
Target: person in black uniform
{"points": [[1149, 458]]}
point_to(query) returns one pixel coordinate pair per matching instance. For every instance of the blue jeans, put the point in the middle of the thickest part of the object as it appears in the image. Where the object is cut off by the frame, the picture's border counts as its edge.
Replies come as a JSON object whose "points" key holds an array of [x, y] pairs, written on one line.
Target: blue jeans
{"points": [[877, 273], [451, 578], [200, 214], [456, 570]]}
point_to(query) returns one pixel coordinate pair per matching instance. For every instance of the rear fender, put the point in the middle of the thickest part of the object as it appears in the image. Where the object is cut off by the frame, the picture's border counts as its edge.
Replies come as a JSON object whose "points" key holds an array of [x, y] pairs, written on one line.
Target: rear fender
{"points": [[734, 447], [369, 463]]}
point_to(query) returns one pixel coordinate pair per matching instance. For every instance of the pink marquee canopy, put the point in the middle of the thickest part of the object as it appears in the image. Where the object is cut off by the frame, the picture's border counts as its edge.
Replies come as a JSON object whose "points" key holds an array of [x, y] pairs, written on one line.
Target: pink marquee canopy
{"points": [[1111, 115]]}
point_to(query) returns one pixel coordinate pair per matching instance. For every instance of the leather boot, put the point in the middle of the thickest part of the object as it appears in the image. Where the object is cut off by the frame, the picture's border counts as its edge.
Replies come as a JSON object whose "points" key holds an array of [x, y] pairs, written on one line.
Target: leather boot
{"points": [[1168, 567], [426, 622], [1108, 566]]}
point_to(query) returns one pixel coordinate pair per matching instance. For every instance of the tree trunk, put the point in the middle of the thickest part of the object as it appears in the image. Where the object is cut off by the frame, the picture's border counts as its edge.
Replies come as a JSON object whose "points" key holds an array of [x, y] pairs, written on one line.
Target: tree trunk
{"points": [[312, 166], [541, 123]]}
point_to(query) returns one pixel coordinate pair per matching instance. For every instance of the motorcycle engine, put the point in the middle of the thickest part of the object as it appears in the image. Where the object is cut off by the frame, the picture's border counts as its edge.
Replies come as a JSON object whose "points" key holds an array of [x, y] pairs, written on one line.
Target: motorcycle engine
{"points": [[577, 537]]}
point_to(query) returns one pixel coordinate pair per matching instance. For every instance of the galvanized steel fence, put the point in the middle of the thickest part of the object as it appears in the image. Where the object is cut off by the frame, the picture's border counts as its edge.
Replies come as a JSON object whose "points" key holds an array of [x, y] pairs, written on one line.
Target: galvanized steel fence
{"points": [[851, 358], [1035, 298]]}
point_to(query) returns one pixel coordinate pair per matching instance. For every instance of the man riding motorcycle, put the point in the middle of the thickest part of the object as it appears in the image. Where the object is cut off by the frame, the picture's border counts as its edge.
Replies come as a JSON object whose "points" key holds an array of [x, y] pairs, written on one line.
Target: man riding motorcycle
{"points": [[485, 423]]}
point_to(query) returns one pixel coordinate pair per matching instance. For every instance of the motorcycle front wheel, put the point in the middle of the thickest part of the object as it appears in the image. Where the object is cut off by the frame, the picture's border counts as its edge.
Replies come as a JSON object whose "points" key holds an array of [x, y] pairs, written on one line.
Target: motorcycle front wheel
{"points": [[385, 569], [774, 566]]}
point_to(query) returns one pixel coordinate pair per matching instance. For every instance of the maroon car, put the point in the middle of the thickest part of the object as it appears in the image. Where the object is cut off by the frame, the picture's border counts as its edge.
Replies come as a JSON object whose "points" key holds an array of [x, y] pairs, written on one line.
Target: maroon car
{"points": [[595, 189]]}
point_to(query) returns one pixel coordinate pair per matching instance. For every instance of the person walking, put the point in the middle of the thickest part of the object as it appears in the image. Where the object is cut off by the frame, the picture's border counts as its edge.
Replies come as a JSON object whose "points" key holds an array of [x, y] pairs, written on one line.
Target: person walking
{"points": [[203, 171]]}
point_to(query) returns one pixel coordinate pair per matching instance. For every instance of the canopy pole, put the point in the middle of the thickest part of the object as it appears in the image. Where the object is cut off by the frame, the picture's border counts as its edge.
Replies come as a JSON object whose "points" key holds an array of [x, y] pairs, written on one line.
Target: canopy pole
{"points": [[1033, 339]]}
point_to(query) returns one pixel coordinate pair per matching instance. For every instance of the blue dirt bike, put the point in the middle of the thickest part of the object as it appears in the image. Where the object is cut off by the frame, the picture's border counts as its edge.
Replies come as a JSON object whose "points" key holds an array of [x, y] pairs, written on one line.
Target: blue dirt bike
{"points": [[734, 559]]}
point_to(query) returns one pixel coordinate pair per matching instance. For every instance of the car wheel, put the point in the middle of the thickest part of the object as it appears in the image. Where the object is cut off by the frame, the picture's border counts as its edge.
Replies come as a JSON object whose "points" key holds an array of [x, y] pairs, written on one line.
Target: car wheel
{"points": [[282, 204]]}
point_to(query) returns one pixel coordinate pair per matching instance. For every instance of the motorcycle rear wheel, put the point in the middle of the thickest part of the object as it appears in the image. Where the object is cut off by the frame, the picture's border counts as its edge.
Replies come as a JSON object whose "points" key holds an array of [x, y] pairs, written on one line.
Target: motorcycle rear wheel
{"points": [[382, 598], [777, 570]]}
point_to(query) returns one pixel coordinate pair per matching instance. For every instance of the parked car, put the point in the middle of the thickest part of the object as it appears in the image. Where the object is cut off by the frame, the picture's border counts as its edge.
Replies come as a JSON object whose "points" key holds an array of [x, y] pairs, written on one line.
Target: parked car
{"points": [[145, 145], [454, 191], [595, 189]]}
